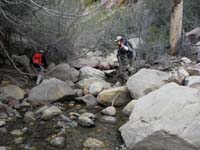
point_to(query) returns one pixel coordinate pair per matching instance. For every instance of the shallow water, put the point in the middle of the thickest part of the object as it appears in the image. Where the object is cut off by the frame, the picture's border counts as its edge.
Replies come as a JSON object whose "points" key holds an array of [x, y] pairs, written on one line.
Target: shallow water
{"points": [[36, 136]]}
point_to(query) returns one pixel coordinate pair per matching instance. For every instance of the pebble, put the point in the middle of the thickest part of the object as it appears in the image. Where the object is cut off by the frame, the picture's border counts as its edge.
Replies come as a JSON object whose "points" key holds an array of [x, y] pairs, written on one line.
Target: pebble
{"points": [[16, 133], [19, 140], [93, 144], [78, 106], [25, 129], [2, 123], [108, 119], [65, 118], [73, 124], [73, 115], [58, 142], [29, 117], [25, 104], [3, 115], [82, 110], [110, 111], [88, 115], [71, 104], [86, 121], [51, 112]]}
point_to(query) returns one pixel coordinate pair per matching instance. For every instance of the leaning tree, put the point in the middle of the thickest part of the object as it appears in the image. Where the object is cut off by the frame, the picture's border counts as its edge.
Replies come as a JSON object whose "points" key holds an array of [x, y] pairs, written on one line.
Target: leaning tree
{"points": [[176, 25]]}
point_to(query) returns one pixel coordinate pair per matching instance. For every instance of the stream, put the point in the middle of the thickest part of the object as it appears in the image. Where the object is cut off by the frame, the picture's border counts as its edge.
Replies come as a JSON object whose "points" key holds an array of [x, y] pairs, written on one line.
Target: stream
{"points": [[35, 137]]}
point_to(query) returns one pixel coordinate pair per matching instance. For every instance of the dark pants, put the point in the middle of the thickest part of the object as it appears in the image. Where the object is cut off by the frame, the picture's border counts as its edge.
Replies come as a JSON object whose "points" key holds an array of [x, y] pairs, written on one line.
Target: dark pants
{"points": [[123, 74]]}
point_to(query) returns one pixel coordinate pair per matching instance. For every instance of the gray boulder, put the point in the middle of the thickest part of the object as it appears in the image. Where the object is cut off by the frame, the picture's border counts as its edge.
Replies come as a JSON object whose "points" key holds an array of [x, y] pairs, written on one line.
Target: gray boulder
{"points": [[198, 56], [146, 81], [118, 96], [129, 107], [16, 133], [193, 82], [2, 123], [65, 73], [8, 111], [50, 90], [89, 115], [29, 117], [92, 61], [86, 83], [186, 60], [88, 99], [95, 88], [87, 120], [166, 119], [12, 91], [108, 120], [24, 61], [179, 75], [87, 72], [51, 66], [194, 70], [50, 112]]}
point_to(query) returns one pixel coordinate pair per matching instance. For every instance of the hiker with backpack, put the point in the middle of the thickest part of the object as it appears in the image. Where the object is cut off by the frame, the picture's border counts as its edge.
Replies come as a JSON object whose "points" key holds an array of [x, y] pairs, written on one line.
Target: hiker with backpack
{"points": [[125, 58], [39, 62]]}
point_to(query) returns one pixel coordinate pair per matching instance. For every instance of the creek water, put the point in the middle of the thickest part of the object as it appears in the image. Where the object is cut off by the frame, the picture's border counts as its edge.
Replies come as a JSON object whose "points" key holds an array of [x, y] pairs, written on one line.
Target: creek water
{"points": [[35, 138]]}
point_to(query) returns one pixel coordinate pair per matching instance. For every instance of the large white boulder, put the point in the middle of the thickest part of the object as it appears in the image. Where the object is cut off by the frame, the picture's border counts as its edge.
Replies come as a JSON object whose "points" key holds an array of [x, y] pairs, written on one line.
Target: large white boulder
{"points": [[166, 119], [146, 81], [50, 90]]}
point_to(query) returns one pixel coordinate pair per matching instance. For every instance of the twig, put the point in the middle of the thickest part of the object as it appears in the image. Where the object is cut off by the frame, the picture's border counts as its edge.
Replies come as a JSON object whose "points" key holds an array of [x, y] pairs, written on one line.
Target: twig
{"points": [[14, 65], [114, 99]]}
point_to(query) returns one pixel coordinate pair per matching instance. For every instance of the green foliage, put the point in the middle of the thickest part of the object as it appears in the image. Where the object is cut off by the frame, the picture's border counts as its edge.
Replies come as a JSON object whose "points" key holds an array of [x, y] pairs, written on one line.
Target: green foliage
{"points": [[156, 34], [39, 27], [191, 17], [148, 20]]}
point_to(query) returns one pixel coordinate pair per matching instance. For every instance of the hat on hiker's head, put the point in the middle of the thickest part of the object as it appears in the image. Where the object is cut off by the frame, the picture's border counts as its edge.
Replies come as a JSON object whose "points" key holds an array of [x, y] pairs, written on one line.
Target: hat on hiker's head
{"points": [[119, 38]]}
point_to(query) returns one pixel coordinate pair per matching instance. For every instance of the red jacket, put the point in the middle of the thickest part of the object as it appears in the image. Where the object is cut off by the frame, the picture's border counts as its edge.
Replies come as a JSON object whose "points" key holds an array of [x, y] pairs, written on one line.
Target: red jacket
{"points": [[37, 59]]}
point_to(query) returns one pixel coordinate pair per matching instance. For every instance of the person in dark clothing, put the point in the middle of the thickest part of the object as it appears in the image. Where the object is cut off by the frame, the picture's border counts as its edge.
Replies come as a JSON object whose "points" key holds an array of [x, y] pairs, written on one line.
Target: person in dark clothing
{"points": [[125, 57], [39, 61]]}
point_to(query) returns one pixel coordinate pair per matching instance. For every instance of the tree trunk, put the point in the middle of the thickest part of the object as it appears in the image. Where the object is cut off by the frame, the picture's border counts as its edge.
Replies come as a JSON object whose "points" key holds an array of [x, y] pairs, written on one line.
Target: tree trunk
{"points": [[176, 25]]}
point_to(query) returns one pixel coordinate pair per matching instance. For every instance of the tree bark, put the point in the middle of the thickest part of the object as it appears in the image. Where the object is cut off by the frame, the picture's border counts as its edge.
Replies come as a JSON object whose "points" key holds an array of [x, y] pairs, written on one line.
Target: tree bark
{"points": [[176, 25]]}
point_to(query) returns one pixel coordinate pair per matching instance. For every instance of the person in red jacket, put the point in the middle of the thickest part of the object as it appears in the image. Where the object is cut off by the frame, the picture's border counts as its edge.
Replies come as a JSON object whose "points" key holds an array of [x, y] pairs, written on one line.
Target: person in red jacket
{"points": [[39, 61]]}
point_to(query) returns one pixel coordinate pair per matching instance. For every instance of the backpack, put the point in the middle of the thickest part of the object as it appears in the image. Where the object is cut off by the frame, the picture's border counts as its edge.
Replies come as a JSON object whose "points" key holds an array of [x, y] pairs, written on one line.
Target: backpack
{"points": [[131, 51]]}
